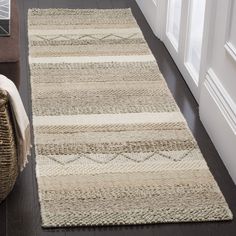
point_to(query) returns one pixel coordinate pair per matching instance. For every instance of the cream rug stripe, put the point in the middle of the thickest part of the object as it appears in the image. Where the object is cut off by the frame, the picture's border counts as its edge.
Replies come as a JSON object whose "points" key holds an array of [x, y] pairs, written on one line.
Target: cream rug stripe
{"points": [[112, 146], [109, 119], [79, 32], [135, 58]]}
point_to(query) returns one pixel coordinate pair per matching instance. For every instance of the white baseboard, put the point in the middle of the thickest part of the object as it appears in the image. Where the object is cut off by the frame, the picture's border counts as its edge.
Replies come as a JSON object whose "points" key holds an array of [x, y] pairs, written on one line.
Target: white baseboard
{"points": [[218, 115]]}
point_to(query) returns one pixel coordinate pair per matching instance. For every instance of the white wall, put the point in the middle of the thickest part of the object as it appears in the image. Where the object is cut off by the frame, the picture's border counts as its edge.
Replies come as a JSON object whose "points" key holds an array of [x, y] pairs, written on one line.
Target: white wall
{"points": [[153, 15], [217, 88], [218, 92]]}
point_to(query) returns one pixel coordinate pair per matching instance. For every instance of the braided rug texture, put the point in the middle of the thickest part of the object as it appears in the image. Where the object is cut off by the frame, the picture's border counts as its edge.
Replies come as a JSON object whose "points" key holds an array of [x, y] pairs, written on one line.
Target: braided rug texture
{"points": [[112, 146]]}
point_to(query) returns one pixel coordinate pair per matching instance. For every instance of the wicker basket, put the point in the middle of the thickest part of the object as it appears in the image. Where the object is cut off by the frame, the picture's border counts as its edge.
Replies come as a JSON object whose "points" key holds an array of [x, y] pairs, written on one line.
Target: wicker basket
{"points": [[8, 159]]}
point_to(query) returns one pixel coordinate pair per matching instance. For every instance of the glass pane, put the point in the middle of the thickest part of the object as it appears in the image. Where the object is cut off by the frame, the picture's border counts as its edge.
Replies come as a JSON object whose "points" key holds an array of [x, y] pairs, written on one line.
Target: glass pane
{"points": [[4, 17], [5, 9], [196, 25], [232, 33], [173, 21]]}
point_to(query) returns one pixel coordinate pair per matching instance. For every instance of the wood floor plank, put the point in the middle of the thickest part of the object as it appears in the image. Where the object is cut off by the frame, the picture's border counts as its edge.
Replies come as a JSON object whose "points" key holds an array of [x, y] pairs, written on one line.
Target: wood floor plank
{"points": [[20, 203], [69, 4], [106, 4], [46, 4], [83, 231], [120, 3], [24, 83], [3, 218], [20, 206]]}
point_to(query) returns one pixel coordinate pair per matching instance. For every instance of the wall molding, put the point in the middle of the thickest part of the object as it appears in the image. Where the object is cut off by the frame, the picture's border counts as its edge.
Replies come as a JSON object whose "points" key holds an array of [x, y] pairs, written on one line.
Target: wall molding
{"points": [[229, 46], [222, 99], [155, 2], [231, 50]]}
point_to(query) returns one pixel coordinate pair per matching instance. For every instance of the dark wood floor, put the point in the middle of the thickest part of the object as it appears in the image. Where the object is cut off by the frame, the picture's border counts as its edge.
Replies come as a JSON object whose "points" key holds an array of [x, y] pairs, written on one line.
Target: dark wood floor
{"points": [[19, 214]]}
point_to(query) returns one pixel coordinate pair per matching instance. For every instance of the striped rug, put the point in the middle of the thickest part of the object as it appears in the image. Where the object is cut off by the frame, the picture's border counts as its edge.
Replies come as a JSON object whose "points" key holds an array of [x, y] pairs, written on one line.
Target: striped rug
{"points": [[112, 147]]}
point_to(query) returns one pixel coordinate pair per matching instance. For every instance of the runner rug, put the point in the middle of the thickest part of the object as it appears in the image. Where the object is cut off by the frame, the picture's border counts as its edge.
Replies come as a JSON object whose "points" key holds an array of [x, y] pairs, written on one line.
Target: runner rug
{"points": [[112, 146]]}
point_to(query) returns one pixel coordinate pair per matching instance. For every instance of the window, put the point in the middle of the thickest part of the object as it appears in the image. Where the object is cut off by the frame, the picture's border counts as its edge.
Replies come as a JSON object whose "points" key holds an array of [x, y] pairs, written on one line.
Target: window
{"points": [[195, 35], [173, 21]]}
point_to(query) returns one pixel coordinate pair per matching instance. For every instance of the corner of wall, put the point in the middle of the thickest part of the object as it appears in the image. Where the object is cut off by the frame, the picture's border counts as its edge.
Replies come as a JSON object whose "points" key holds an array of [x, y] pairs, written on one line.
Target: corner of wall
{"points": [[150, 10]]}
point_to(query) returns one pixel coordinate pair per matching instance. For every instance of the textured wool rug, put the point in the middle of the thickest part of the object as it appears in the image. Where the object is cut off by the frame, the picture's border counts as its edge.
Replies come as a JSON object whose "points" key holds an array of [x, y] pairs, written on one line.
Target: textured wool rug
{"points": [[111, 144]]}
